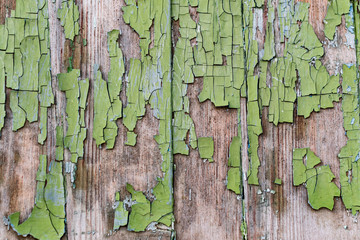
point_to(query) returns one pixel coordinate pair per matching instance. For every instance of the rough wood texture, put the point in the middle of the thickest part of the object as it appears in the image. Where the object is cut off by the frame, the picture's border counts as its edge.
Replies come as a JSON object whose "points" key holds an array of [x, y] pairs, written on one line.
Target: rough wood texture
{"points": [[204, 208], [286, 214]]}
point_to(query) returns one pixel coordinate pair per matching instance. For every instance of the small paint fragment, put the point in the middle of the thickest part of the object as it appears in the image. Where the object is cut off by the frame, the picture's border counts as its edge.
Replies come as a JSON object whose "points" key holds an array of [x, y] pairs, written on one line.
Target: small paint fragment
{"points": [[121, 214], [59, 144], [206, 148], [278, 181], [243, 229], [234, 180], [131, 139]]}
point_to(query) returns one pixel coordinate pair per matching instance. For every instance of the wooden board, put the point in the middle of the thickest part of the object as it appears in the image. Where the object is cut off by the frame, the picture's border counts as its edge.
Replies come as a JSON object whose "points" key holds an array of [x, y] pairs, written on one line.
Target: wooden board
{"points": [[204, 208]]}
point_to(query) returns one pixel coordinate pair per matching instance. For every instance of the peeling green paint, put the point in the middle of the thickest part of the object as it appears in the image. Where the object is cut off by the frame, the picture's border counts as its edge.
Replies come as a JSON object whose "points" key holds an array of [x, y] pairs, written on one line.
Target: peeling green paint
{"points": [[143, 212], [227, 56], [47, 219], [59, 144], [317, 88], [234, 173], [254, 128], [320, 188], [25, 62], [117, 69], [218, 55], [105, 128], [243, 228], [76, 91], [336, 9], [222, 49], [300, 61], [182, 75], [206, 148], [69, 18], [3, 43], [149, 82], [350, 153], [278, 181], [121, 214], [131, 139], [107, 104]]}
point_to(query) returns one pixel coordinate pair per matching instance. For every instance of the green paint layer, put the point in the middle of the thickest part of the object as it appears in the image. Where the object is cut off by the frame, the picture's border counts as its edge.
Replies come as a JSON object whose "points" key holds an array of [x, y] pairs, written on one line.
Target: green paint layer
{"points": [[69, 15], [25, 63], [320, 188], [76, 91], [234, 173], [47, 219], [350, 153], [121, 214], [149, 82]]}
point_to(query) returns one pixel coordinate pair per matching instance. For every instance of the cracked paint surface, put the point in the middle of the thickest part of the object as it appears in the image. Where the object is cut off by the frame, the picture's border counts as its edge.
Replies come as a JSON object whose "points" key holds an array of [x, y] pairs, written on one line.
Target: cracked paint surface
{"points": [[149, 82], [227, 56], [25, 63], [156, 89], [318, 180], [76, 91], [234, 182], [121, 214], [217, 57], [47, 219], [105, 114], [350, 153], [300, 62], [336, 9], [107, 103], [221, 47], [69, 15], [182, 75]]}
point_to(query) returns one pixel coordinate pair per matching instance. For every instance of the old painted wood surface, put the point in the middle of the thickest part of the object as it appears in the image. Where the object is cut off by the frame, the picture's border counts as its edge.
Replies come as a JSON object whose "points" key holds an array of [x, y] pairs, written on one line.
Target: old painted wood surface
{"points": [[204, 208]]}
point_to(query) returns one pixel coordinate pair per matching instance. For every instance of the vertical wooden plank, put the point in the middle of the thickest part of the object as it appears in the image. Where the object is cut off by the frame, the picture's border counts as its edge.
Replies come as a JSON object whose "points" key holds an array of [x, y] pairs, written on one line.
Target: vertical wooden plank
{"points": [[204, 208], [286, 214], [104, 172], [89, 207], [19, 159]]}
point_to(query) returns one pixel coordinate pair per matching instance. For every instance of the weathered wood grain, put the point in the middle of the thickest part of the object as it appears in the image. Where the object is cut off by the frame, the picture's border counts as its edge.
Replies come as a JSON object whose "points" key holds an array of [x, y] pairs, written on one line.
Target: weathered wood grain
{"points": [[286, 214], [204, 208], [102, 172]]}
